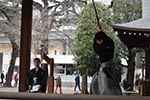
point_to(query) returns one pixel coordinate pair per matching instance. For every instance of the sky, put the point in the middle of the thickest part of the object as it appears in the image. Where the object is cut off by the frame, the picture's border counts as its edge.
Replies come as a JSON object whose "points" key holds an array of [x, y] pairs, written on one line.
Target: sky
{"points": [[107, 2]]}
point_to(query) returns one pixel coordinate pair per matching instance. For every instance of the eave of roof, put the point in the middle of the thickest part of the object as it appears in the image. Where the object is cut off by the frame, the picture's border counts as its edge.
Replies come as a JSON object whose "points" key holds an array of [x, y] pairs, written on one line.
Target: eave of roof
{"points": [[135, 33], [140, 25]]}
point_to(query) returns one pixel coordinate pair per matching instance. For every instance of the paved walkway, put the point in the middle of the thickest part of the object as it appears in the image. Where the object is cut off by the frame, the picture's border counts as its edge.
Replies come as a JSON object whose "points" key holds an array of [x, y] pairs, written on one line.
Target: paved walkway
{"points": [[65, 90]]}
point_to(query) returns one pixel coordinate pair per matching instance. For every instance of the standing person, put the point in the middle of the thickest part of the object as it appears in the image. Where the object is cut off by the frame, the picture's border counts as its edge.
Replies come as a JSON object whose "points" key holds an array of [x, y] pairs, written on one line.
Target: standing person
{"points": [[36, 79], [16, 79], [126, 85], [105, 81], [2, 78], [58, 84], [137, 82], [77, 83]]}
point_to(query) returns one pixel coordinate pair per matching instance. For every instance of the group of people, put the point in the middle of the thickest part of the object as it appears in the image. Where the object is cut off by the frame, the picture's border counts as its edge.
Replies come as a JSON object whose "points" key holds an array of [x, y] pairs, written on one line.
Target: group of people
{"points": [[104, 81], [59, 84], [15, 78], [37, 79]]}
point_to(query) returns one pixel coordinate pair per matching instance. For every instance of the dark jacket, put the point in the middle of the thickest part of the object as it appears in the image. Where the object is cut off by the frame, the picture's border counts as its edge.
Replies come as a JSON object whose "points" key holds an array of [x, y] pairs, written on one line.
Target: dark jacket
{"points": [[2, 76], [41, 78], [104, 50], [77, 79]]}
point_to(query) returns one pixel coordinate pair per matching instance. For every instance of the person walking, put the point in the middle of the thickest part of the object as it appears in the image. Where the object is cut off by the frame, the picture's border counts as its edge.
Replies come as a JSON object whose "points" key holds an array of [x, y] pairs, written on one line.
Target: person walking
{"points": [[2, 78], [137, 82], [58, 84], [16, 79], [77, 83]]}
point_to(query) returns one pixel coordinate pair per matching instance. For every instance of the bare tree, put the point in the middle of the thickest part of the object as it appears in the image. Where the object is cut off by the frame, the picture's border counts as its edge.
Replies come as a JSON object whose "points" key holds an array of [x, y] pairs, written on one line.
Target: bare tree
{"points": [[53, 14], [10, 13]]}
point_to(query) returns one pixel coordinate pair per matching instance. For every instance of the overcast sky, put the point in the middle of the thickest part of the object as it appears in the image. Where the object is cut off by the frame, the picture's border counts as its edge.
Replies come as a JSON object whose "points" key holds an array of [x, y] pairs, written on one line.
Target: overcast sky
{"points": [[107, 2]]}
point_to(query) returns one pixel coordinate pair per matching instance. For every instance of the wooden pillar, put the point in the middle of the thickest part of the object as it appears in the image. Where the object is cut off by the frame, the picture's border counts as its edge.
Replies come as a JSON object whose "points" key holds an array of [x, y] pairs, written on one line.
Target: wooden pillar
{"points": [[25, 44], [147, 59], [131, 68], [51, 77], [145, 84]]}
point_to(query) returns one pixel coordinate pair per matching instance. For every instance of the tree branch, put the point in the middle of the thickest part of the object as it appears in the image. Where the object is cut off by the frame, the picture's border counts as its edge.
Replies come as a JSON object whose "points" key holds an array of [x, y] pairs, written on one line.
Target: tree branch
{"points": [[63, 33], [83, 1], [45, 2], [37, 5], [3, 12]]}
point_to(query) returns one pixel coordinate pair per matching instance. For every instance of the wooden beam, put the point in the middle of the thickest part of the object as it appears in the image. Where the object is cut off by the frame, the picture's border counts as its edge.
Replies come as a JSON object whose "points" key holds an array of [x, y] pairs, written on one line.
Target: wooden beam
{"points": [[43, 96], [51, 84], [50, 61], [25, 44], [46, 58]]}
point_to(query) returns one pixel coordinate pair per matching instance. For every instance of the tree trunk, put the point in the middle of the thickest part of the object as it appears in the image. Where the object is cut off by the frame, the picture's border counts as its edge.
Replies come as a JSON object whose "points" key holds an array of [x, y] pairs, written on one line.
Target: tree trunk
{"points": [[131, 69], [12, 64], [84, 84]]}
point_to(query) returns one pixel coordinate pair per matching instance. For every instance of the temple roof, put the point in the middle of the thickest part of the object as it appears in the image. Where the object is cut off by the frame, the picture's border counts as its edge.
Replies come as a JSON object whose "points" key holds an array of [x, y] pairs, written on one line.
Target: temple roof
{"points": [[136, 33], [140, 25]]}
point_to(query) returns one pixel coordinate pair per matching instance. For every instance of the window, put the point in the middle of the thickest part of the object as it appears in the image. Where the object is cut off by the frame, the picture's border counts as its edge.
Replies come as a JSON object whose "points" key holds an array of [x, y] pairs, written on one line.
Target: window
{"points": [[59, 70]]}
